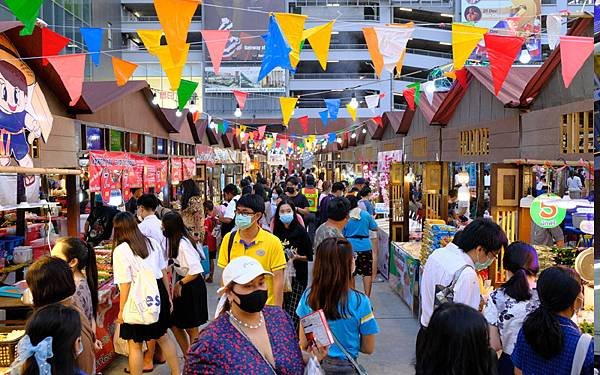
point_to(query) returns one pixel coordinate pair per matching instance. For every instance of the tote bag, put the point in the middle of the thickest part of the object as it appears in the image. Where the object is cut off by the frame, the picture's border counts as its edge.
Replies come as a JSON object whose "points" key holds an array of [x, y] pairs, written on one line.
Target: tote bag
{"points": [[143, 303]]}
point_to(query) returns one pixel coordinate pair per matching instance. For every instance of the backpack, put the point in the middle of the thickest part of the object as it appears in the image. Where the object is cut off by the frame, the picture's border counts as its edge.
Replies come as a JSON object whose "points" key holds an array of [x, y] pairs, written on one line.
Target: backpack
{"points": [[143, 303]]}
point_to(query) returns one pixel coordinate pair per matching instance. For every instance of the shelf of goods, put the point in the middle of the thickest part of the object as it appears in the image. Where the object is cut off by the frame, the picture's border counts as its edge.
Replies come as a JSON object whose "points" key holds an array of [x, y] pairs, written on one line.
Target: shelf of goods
{"points": [[108, 307], [436, 234]]}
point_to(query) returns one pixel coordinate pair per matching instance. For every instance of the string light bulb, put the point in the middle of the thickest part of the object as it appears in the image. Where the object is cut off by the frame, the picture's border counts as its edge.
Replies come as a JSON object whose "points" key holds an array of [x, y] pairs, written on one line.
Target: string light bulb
{"points": [[524, 57], [353, 135], [339, 140], [155, 99], [238, 112], [364, 131], [178, 113], [353, 103]]}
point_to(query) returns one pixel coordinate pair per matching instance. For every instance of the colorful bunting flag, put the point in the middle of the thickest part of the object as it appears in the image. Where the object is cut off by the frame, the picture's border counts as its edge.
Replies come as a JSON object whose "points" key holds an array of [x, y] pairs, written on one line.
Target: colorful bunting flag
{"points": [[391, 41], [461, 77], [240, 97], [373, 46], [184, 92], [555, 28], [175, 17], [464, 40], [409, 96], [574, 51], [220, 128], [277, 50], [429, 89], [196, 116], [333, 106], [52, 43], [292, 26], [319, 38], [287, 107], [172, 68], [417, 87], [70, 69], [26, 11], [331, 137], [92, 36], [215, 41], [352, 111], [399, 65], [123, 70], [450, 74], [324, 117], [225, 126], [304, 123], [151, 39], [502, 51], [372, 101], [378, 121], [261, 131]]}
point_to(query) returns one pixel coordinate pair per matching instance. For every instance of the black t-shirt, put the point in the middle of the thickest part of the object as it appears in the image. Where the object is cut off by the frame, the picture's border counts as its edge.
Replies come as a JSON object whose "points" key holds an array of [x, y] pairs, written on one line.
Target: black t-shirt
{"points": [[297, 238], [299, 201], [100, 224]]}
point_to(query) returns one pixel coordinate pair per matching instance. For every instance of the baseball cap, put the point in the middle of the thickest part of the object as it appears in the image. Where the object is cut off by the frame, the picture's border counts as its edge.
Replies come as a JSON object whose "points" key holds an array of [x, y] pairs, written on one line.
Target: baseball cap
{"points": [[360, 181], [242, 270]]}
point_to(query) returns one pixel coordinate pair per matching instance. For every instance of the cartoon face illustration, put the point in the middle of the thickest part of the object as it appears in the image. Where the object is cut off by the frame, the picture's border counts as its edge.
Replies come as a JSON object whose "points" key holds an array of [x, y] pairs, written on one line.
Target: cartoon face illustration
{"points": [[13, 89]]}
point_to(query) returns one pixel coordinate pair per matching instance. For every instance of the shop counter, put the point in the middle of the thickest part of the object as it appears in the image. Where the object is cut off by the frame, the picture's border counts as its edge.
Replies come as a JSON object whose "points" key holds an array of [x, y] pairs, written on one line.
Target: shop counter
{"points": [[404, 270]]}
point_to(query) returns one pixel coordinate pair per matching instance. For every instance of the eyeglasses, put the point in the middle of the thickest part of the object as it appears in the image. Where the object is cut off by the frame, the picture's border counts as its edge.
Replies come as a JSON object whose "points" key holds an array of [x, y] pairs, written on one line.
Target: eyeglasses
{"points": [[245, 212]]}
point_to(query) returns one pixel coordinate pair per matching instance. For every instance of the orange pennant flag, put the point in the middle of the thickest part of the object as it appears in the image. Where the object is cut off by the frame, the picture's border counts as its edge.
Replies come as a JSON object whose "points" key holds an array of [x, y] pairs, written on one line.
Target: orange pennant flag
{"points": [[175, 17], [123, 70], [373, 46], [196, 116]]}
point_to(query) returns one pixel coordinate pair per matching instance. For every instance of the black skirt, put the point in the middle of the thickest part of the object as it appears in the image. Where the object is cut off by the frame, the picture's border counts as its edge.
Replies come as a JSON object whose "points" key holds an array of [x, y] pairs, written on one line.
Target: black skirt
{"points": [[140, 332], [190, 310]]}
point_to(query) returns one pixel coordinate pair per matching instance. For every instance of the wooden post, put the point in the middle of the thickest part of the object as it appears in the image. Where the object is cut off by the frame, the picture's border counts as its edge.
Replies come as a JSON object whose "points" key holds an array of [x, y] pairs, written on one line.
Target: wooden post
{"points": [[445, 178], [72, 206], [480, 190]]}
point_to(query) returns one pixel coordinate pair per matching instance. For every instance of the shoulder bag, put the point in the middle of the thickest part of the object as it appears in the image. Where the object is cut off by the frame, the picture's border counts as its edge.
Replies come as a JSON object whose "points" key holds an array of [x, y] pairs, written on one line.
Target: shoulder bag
{"points": [[445, 293], [143, 302], [580, 353], [360, 370]]}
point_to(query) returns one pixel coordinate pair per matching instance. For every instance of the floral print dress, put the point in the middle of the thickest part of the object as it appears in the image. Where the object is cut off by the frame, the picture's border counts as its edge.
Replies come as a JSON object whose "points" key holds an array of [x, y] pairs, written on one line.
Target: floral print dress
{"points": [[83, 298]]}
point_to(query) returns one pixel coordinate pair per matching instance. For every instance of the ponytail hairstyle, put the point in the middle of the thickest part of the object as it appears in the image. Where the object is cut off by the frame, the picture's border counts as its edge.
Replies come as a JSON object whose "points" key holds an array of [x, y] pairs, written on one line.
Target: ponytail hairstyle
{"points": [[558, 287], [521, 259], [74, 248]]}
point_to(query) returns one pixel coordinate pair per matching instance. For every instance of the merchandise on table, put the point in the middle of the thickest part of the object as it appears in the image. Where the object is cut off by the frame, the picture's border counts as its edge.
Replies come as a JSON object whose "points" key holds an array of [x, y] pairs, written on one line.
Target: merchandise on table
{"points": [[405, 269], [436, 234], [104, 263]]}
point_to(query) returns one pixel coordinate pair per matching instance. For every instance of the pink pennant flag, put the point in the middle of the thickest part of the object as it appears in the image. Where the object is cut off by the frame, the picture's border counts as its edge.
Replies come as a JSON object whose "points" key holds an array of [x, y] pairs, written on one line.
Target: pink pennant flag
{"points": [[261, 132], [502, 51], [304, 122], [70, 69], [215, 41], [241, 97], [378, 121], [574, 50]]}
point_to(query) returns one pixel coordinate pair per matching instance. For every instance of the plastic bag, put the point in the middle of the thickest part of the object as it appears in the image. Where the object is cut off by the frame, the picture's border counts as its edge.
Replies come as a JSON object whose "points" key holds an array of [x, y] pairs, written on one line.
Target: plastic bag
{"points": [[121, 346], [313, 367], [288, 274]]}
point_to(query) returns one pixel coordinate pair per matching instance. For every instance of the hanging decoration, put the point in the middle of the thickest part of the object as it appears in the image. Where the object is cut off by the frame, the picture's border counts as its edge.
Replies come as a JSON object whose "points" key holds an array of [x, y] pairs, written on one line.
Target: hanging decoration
{"points": [[52, 44], [92, 37], [287, 107], [372, 101], [70, 69], [261, 131], [240, 97], [333, 107], [304, 123], [429, 89], [151, 39], [464, 40], [173, 68], [391, 41], [409, 96], [175, 17], [377, 120], [399, 64], [372, 44], [319, 38], [184, 92], [215, 41], [502, 51], [461, 77], [574, 51], [123, 70], [277, 50], [555, 28], [292, 26], [224, 126], [331, 138], [324, 117], [352, 111], [196, 116], [26, 11], [417, 87]]}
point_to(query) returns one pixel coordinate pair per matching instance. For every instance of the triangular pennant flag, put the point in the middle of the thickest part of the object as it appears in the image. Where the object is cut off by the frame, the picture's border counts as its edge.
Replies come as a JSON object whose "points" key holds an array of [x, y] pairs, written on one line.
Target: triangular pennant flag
{"points": [[215, 41], [333, 106], [373, 46], [151, 39], [417, 87], [261, 131], [574, 50], [461, 77], [240, 97], [225, 126], [252, 135], [172, 68], [292, 26], [391, 41], [70, 69], [245, 138], [304, 123], [220, 128], [243, 128], [429, 88], [377, 120], [450, 74], [287, 107], [331, 137], [372, 101], [399, 65], [324, 117], [175, 17], [319, 38], [184, 92], [92, 36], [464, 40], [555, 28], [352, 111], [52, 43], [409, 96], [123, 70], [277, 51], [196, 116], [502, 51], [26, 11]]}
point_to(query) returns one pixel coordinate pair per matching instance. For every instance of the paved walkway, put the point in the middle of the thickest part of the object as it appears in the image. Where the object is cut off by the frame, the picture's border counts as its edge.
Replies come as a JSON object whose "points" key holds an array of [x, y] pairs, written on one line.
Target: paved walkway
{"points": [[394, 349]]}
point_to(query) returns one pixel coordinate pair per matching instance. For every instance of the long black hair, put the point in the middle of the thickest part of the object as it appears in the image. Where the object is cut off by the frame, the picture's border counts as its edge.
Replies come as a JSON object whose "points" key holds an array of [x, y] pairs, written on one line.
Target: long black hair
{"points": [[175, 230], [190, 189], [558, 287], [279, 228], [521, 259], [50, 280], [456, 342]]}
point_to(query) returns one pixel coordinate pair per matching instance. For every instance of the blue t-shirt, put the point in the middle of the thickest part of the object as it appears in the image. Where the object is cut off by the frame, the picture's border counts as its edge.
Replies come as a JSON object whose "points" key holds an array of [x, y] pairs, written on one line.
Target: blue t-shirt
{"points": [[360, 321], [357, 231], [530, 363]]}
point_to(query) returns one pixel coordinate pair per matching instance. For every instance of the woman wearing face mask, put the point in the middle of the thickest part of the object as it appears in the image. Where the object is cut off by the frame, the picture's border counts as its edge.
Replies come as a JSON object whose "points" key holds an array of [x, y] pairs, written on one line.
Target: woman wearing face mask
{"points": [[550, 341], [190, 307], [272, 203], [51, 344], [247, 337], [298, 248]]}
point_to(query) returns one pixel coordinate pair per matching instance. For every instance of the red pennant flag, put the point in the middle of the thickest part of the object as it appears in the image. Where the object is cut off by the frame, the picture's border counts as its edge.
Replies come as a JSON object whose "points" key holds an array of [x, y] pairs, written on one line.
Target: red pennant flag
{"points": [[574, 50], [461, 76], [304, 122], [502, 51], [261, 132], [379, 121], [215, 41], [52, 43], [70, 69], [240, 96], [196, 116], [409, 96], [382, 95]]}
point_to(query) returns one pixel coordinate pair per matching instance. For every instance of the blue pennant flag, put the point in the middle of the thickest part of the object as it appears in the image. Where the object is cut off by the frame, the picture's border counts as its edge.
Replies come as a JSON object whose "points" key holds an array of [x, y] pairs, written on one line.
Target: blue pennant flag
{"points": [[277, 50], [324, 117], [225, 126], [92, 36], [333, 106], [331, 138]]}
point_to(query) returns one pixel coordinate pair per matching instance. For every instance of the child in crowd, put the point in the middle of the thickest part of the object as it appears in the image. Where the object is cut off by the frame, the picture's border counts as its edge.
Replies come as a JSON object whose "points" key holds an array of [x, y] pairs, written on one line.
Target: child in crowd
{"points": [[210, 239]]}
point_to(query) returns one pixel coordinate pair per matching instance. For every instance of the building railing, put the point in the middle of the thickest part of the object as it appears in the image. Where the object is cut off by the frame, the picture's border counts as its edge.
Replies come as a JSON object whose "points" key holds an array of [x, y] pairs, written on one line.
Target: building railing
{"points": [[425, 3], [424, 24], [335, 3], [130, 17], [358, 76]]}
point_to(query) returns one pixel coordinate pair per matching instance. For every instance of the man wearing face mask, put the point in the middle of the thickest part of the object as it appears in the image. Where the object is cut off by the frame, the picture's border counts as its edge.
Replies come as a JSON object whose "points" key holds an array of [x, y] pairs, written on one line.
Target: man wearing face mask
{"points": [[473, 249], [298, 199], [251, 240]]}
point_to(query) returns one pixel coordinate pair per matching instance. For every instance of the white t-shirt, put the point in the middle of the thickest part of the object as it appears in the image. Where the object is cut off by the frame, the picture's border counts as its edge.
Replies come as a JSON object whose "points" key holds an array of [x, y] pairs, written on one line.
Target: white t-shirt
{"points": [[574, 183], [231, 206], [188, 259], [151, 227], [124, 263]]}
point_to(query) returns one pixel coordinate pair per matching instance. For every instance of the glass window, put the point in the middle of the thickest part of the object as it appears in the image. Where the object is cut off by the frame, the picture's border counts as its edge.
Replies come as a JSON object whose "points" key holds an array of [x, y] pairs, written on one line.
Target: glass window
{"points": [[161, 146], [94, 138], [149, 145], [135, 142], [116, 140]]}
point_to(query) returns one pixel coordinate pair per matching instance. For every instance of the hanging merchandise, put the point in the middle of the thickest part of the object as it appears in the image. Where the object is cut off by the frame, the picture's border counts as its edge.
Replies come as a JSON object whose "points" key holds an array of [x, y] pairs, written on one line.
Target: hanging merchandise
{"points": [[240, 97], [324, 117], [464, 40], [574, 51], [175, 17], [556, 26], [151, 39], [391, 41], [123, 70], [26, 11], [215, 41], [70, 69], [352, 111], [292, 26], [185, 92], [372, 101], [173, 68], [277, 50], [287, 107], [52, 44], [333, 107], [92, 37], [319, 38], [502, 50], [372, 44], [304, 123], [409, 96]]}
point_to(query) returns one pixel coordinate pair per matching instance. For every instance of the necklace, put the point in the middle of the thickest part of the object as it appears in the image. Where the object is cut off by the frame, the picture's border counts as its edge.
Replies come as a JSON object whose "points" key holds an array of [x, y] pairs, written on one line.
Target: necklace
{"points": [[260, 322]]}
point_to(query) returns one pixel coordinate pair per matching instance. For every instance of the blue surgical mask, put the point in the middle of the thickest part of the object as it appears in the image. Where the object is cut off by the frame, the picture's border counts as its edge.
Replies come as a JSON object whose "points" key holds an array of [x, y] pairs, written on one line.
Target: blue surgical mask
{"points": [[274, 197], [481, 266], [243, 221], [286, 218]]}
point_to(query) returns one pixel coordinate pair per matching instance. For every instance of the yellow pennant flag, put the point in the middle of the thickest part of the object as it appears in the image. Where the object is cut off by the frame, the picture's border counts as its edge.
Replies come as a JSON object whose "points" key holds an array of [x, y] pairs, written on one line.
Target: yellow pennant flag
{"points": [[287, 107], [464, 41], [175, 17], [123, 70], [399, 64], [451, 74], [243, 128], [351, 111], [292, 26], [172, 68], [151, 39], [319, 38]]}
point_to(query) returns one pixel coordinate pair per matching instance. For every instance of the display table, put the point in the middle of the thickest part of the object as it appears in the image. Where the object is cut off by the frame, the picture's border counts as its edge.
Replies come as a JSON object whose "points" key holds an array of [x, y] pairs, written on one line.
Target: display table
{"points": [[404, 272], [108, 311]]}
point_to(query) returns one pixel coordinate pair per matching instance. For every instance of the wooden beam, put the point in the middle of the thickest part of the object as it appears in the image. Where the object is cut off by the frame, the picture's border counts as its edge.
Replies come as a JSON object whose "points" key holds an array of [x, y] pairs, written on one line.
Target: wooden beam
{"points": [[39, 171]]}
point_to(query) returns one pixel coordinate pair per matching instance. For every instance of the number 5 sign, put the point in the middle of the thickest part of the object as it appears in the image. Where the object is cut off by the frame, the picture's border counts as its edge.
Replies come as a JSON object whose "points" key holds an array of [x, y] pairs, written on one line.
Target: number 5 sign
{"points": [[546, 215]]}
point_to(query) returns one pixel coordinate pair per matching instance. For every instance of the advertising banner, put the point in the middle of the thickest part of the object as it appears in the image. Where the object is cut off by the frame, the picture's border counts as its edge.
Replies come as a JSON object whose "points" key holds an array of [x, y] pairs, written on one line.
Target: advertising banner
{"points": [[189, 168], [106, 169], [403, 274], [205, 155], [149, 175], [162, 167], [243, 78], [176, 170], [276, 159]]}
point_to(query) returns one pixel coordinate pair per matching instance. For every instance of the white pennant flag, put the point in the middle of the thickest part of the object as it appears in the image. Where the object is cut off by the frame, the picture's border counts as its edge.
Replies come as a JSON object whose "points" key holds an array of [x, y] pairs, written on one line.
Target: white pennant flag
{"points": [[556, 26], [392, 42], [429, 88], [372, 101]]}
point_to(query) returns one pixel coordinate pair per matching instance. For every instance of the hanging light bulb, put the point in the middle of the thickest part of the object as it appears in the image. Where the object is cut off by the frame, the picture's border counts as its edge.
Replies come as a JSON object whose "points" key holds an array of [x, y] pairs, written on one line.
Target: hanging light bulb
{"points": [[238, 112], [464, 194], [463, 177], [155, 99], [364, 131], [178, 113], [339, 140], [212, 125], [353, 135], [525, 57], [193, 107], [354, 102], [410, 176]]}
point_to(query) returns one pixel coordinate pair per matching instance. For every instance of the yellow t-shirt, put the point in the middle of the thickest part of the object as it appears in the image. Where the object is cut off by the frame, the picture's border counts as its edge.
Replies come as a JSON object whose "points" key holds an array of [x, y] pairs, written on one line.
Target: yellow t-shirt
{"points": [[266, 248]]}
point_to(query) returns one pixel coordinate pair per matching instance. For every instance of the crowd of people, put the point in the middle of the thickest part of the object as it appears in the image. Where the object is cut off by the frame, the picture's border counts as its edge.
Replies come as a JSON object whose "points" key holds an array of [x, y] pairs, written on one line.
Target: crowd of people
{"points": [[263, 235]]}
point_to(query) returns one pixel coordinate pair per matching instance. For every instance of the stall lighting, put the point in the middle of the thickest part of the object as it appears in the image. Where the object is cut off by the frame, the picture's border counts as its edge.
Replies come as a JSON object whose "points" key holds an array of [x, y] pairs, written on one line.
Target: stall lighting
{"points": [[410, 176], [525, 57], [464, 194], [155, 100], [353, 135], [354, 102], [238, 112], [339, 140], [405, 9], [463, 177], [178, 113], [364, 131]]}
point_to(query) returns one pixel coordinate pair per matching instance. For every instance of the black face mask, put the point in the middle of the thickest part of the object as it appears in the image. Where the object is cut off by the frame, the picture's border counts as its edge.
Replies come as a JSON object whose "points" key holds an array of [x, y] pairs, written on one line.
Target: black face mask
{"points": [[290, 190], [253, 302]]}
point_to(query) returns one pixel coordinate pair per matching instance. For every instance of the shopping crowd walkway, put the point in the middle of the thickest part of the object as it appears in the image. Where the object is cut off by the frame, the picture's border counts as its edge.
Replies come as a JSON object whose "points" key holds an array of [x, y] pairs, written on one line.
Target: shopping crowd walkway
{"points": [[395, 344]]}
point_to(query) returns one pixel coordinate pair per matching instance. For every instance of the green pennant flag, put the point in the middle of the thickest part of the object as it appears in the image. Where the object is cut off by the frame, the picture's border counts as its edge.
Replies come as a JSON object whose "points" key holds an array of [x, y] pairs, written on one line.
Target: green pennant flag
{"points": [[185, 91], [220, 127], [27, 12], [302, 44], [417, 87]]}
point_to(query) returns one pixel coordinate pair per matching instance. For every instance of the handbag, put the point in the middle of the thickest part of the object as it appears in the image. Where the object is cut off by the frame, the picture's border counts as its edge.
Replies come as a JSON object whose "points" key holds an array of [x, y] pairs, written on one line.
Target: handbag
{"points": [[143, 302], [580, 353], [360, 370], [445, 293]]}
